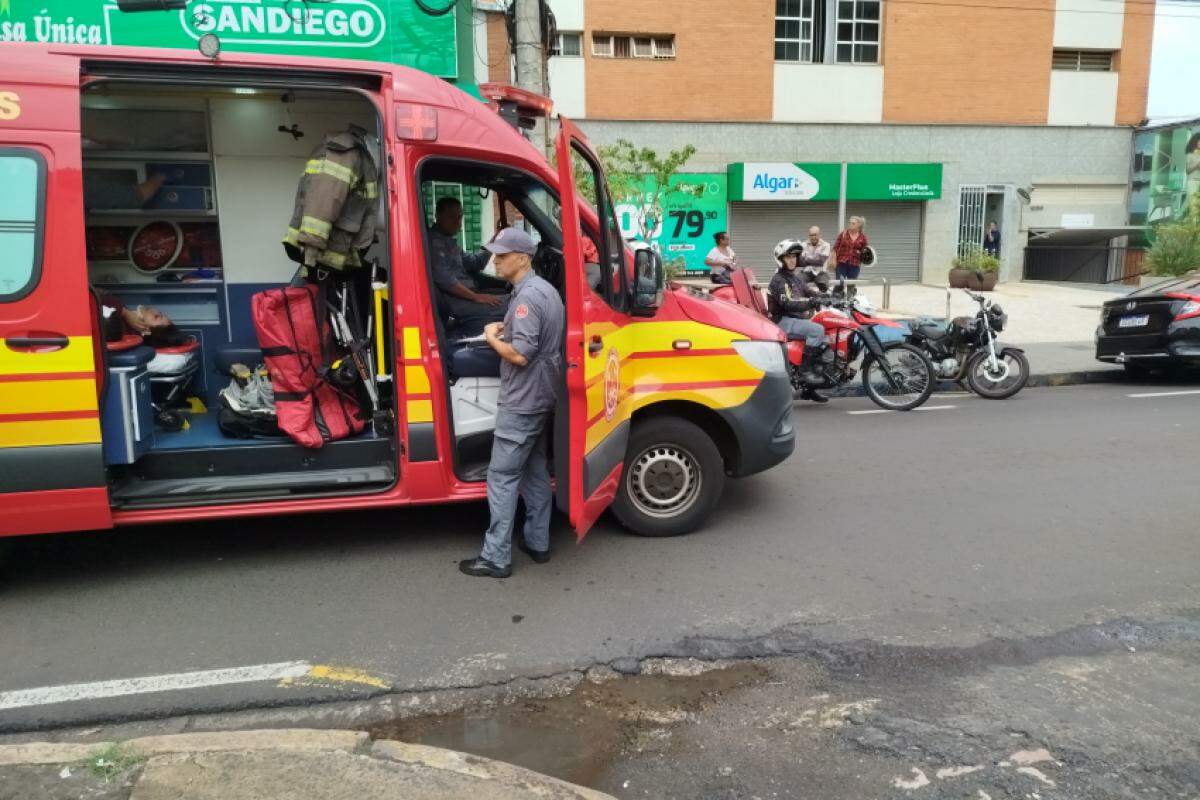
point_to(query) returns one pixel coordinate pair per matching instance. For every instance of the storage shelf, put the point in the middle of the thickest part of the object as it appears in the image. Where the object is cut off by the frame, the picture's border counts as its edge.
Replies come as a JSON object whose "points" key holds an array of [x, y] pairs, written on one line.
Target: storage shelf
{"points": [[145, 155], [164, 288]]}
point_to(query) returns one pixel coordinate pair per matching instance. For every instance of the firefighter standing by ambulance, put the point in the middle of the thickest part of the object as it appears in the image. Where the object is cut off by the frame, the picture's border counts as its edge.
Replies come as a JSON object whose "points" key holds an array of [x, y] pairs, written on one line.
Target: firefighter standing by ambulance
{"points": [[529, 343]]}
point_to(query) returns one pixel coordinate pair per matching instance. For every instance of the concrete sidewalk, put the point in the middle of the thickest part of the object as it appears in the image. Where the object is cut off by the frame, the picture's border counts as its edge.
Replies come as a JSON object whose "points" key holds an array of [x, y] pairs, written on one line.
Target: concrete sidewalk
{"points": [[267, 765]]}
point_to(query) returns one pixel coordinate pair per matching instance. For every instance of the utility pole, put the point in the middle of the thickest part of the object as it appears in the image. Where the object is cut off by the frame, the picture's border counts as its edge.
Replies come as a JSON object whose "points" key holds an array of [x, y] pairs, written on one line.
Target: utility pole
{"points": [[530, 52]]}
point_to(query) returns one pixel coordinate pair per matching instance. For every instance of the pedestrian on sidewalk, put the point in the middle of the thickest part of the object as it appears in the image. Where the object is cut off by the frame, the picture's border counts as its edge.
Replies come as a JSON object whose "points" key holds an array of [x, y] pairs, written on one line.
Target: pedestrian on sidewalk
{"points": [[721, 260], [529, 343], [848, 249], [991, 240], [815, 254]]}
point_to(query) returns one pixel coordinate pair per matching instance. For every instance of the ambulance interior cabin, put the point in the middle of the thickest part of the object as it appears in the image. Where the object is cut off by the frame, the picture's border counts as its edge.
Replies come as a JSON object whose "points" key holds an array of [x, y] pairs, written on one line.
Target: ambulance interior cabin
{"points": [[197, 249]]}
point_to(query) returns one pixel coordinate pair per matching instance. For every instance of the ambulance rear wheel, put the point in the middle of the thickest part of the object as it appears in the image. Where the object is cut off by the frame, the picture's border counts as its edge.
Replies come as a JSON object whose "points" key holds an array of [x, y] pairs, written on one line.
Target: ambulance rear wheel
{"points": [[672, 479]]}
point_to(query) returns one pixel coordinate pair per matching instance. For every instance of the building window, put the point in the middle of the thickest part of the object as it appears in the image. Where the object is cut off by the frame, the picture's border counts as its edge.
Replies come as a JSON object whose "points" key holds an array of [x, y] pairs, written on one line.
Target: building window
{"points": [[802, 35], [608, 45], [794, 30], [566, 44], [1083, 60], [858, 32]]}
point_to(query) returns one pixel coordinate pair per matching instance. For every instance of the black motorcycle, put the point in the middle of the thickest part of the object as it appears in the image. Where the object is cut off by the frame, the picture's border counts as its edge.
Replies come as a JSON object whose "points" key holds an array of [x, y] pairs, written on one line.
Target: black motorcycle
{"points": [[965, 349]]}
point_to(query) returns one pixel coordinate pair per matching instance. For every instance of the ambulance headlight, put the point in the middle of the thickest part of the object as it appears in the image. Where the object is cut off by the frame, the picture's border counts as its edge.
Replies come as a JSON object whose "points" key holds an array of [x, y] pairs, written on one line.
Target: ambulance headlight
{"points": [[765, 356]]}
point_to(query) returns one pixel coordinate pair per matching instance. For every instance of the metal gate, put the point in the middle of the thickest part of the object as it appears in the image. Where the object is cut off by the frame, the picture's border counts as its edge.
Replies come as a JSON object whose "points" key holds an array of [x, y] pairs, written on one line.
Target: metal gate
{"points": [[894, 230], [755, 229], [972, 210]]}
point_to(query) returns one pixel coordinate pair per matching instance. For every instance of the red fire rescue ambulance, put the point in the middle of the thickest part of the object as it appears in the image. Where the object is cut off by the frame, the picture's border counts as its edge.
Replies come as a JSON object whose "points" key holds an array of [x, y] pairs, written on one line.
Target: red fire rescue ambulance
{"points": [[666, 392]]}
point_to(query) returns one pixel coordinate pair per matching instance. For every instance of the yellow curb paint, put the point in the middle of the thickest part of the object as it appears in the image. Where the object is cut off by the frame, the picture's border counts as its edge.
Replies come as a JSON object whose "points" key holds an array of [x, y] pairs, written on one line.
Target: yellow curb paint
{"points": [[327, 674]]}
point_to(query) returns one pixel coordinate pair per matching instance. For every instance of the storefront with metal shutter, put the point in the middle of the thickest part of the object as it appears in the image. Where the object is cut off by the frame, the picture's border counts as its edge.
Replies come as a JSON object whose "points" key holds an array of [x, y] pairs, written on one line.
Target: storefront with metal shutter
{"points": [[771, 201], [755, 229], [894, 230]]}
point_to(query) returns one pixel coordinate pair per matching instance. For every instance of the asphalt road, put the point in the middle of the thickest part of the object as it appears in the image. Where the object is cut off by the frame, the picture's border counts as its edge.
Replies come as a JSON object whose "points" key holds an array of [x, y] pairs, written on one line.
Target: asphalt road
{"points": [[940, 528]]}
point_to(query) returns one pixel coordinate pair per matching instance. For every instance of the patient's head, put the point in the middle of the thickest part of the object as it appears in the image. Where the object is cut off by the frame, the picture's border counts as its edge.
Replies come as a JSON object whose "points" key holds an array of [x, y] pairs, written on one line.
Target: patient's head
{"points": [[155, 326]]}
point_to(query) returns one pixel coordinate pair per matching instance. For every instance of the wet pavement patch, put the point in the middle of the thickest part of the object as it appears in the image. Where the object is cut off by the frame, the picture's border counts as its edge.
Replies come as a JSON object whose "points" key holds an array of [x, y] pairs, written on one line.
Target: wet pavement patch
{"points": [[578, 737]]}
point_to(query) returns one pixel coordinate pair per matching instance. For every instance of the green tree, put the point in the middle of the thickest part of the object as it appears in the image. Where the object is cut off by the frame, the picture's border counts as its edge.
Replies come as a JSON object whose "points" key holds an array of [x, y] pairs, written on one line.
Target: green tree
{"points": [[1176, 248], [641, 177]]}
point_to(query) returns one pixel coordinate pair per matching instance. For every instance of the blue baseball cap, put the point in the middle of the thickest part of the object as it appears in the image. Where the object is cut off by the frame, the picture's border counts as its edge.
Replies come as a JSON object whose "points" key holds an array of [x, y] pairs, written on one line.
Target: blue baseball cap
{"points": [[511, 240]]}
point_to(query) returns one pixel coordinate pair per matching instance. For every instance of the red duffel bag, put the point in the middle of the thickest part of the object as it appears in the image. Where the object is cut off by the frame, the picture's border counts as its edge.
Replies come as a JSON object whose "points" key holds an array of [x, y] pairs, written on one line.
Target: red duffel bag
{"points": [[291, 334]]}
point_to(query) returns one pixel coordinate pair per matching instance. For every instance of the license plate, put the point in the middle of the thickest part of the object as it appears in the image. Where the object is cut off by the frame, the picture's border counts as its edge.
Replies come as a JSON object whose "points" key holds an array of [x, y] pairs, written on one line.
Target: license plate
{"points": [[1134, 322]]}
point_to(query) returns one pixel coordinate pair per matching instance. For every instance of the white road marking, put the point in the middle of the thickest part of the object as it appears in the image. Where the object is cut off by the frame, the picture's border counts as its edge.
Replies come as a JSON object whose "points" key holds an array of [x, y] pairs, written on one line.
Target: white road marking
{"points": [[22, 698], [1164, 394], [889, 411]]}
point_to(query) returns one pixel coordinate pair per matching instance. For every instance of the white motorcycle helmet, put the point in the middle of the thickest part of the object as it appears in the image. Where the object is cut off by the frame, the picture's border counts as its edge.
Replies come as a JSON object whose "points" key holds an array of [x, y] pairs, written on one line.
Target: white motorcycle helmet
{"points": [[785, 247], [864, 305]]}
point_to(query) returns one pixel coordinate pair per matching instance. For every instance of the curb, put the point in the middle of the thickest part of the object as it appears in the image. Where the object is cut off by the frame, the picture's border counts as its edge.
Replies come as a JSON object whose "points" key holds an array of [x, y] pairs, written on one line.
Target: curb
{"points": [[167, 749]]}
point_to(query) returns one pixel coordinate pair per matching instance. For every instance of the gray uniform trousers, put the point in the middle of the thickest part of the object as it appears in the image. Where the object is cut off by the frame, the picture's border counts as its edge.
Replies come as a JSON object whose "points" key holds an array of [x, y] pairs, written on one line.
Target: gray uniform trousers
{"points": [[518, 466], [813, 333]]}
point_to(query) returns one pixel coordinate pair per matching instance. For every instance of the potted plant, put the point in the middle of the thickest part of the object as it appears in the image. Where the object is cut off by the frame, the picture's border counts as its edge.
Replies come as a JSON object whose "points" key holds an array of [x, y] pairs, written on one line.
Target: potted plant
{"points": [[961, 271], [975, 270], [989, 273]]}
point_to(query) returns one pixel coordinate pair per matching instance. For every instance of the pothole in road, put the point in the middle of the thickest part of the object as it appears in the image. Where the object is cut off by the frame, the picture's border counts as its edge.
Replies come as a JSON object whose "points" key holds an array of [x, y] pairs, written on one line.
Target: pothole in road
{"points": [[578, 736]]}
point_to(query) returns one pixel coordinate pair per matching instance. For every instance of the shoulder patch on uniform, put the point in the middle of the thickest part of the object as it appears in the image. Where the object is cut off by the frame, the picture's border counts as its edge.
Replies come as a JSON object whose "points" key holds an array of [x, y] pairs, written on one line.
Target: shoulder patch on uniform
{"points": [[522, 311]]}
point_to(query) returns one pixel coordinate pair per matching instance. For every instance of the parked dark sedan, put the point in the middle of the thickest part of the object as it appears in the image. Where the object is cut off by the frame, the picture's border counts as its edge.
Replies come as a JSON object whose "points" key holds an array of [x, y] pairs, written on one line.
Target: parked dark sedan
{"points": [[1155, 327]]}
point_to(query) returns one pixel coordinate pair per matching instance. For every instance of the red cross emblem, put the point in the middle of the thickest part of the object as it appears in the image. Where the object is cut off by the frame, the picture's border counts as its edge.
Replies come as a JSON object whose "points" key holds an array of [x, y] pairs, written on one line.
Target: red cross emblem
{"points": [[416, 123], [522, 311]]}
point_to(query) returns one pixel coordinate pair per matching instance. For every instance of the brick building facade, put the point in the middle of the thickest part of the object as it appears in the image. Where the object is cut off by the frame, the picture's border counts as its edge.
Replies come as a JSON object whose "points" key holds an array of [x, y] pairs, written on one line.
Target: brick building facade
{"points": [[1026, 109]]}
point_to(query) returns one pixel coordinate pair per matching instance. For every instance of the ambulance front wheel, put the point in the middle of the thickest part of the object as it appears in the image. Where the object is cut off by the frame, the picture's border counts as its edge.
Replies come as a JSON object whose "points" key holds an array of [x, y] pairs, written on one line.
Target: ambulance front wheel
{"points": [[672, 479]]}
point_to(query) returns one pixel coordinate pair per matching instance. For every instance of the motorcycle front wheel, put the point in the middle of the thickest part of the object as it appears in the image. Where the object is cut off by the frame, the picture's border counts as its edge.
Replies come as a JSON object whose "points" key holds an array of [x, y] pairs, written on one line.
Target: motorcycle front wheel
{"points": [[1009, 377], [913, 374]]}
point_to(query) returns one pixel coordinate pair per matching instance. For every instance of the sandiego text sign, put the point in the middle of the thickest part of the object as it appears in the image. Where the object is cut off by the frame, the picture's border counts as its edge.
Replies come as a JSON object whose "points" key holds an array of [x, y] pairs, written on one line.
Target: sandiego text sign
{"points": [[393, 31]]}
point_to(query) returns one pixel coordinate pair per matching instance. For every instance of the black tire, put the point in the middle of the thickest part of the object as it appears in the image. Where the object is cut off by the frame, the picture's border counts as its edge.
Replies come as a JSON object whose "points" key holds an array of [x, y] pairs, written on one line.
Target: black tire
{"points": [[984, 388], [1138, 372], [668, 448], [912, 356]]}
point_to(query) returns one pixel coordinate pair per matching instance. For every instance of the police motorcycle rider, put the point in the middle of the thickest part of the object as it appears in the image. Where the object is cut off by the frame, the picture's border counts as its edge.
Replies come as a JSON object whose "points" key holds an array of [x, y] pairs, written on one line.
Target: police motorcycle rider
{"points": [[792, 299]]}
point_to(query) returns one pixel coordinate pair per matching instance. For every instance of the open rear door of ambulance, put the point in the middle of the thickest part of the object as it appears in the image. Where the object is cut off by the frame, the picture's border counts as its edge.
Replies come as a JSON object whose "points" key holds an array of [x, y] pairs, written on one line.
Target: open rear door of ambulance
{"points": [[597, 399], [51, 466]]}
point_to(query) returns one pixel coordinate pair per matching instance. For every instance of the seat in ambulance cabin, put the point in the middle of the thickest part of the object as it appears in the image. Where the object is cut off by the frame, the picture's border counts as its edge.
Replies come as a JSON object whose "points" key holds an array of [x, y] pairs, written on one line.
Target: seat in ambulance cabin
{"points": [[127, 352], [474, 360]]}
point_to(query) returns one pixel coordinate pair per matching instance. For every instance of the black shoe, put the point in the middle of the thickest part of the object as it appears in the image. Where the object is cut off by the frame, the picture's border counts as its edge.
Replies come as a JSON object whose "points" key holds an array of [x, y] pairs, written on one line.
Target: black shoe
{"points": [[482, 568], [814, 395], [539, 556]]}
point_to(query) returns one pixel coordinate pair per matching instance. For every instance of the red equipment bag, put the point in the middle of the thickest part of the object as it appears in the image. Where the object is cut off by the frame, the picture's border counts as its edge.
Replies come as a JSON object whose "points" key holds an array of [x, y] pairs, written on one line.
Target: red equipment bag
{"points": [[291, 333]]}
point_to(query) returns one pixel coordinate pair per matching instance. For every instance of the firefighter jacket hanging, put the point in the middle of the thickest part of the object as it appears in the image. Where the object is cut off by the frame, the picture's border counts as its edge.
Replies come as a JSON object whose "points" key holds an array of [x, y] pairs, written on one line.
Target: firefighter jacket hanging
{"points": [[337, 204]]}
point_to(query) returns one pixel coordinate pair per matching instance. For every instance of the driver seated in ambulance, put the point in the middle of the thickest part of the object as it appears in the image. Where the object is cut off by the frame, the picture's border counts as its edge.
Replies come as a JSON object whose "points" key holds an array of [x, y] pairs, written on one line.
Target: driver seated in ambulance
{"points": [[458, 275]]}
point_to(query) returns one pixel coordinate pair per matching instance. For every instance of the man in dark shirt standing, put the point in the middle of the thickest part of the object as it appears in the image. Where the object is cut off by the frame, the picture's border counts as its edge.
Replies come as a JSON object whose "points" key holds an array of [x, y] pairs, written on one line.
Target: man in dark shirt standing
{"points": [[529, 343], [991, 240]]}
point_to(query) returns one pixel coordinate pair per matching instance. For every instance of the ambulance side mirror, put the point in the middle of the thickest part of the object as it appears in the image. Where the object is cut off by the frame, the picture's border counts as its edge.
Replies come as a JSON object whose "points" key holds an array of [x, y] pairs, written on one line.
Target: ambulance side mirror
{"points": [[648, 281]]}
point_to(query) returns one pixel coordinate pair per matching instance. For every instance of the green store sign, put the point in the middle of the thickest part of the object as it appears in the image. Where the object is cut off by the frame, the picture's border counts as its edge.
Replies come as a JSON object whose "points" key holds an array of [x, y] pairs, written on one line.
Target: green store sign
{"points": [[797, 181], [784, 181], [893, 181], [392, 31], [693, 209]]}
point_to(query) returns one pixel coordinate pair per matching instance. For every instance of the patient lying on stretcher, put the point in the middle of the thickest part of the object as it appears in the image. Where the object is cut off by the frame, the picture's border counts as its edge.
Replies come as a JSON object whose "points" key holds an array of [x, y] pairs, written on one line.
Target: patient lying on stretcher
{"points": [[155, 327]]}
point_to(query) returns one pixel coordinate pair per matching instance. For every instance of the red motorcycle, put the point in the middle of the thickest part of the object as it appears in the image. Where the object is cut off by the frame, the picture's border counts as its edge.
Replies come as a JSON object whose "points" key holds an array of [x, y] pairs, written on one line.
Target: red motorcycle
{"points": [[897, 376]]}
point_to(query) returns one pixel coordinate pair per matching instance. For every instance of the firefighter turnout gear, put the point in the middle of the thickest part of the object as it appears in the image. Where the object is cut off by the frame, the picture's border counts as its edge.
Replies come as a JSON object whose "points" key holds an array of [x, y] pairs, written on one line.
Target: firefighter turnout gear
{"points": [[337, 204]]}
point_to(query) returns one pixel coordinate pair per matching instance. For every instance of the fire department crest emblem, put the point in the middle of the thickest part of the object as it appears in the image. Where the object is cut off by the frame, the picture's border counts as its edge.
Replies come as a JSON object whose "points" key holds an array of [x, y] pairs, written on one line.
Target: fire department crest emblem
{"points": [[612, 384]]}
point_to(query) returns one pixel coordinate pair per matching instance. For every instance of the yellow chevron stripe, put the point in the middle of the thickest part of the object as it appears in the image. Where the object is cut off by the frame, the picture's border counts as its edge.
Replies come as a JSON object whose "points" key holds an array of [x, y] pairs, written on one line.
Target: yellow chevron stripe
{"points": [[420, 410], [49, 432], [77, 356], [412, 343], [416, 381], [33, 397]]}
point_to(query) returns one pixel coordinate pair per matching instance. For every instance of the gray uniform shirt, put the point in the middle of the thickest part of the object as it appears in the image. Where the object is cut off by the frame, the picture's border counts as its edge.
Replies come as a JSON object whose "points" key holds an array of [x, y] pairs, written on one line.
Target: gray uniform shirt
{"points": [[450, 264], [534, 326]]}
